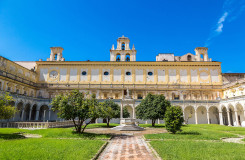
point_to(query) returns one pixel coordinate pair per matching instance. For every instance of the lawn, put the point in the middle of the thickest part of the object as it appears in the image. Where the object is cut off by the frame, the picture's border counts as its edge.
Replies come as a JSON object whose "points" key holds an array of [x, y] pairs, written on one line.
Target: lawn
{"points": [[42, 148], [150, 126], [56, 143], [198, 150], [200, 132], [101, 125], [199, 142]]}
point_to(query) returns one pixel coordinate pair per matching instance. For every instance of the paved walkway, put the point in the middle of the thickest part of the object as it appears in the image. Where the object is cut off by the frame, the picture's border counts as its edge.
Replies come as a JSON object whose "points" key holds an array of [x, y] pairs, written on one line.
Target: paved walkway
{"points": [[135, 133], [127, 148]]}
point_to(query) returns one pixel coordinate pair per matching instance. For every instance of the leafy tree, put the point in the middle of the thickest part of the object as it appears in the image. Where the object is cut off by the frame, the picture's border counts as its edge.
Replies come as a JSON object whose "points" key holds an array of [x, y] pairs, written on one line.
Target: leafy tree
{"points": [[109, 109], [174, 119], [152, 107], [77, 107], [6, 110], [126, 114]]}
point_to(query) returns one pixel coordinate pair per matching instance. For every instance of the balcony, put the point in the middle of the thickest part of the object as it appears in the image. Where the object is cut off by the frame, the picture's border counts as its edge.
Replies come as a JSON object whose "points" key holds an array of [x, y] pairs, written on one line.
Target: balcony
{"points": [[123, 86], [17, 78], [22, 96]]}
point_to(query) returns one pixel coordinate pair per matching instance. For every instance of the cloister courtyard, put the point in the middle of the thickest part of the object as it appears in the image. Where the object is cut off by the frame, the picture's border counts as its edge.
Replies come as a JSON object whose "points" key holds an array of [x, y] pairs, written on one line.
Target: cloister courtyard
{"points": [[202, 141]]}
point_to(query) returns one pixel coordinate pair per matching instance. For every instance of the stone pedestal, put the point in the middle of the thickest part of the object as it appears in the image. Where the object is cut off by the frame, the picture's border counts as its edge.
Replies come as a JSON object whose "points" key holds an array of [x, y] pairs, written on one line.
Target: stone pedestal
{"points": [[128, 124]]}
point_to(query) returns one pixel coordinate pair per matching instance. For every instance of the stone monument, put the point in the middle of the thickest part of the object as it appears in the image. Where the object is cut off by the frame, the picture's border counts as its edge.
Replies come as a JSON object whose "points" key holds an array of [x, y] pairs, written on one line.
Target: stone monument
{"points": [[128, 124]]}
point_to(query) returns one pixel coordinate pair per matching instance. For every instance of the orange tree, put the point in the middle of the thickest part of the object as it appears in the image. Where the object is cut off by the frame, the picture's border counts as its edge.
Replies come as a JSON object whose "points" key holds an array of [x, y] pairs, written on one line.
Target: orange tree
{"points": [[78, 107], [6, 110], [152, 107]]}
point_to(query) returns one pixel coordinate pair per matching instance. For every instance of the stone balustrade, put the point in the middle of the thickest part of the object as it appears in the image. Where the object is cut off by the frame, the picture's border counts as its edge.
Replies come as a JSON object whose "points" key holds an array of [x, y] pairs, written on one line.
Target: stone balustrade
{"points": [[36, 125]]}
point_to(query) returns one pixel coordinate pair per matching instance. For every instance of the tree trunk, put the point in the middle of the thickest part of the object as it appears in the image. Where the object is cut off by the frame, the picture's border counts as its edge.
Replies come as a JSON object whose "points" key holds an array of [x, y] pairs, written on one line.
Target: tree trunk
{"points": [[79, 128], [74, 124], [153, 122], [85, 126], [108, 122]]}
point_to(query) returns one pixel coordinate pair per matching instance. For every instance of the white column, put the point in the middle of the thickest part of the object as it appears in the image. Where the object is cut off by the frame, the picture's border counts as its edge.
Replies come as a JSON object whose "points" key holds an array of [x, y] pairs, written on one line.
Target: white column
{"points": [[58, 56], [184, 115], [37, 115], [49, 115], [44, 114], [244, 113], [122, 57], [208, 117], [30, 114], [196, 116], [221, 118], [121, 113], [236, 116], [158, 121], [133, 113], [22, 115], [229, 119]]}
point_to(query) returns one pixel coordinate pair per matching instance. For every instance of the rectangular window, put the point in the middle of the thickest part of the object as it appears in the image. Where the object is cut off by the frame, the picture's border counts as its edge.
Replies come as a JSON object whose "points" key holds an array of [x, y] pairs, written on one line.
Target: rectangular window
{"points": [[139, 96], [176, 97]]}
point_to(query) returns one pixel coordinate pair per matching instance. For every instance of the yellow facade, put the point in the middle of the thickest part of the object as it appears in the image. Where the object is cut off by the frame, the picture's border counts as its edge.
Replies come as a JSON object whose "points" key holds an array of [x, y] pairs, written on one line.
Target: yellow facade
{"points": [[189, 81]]}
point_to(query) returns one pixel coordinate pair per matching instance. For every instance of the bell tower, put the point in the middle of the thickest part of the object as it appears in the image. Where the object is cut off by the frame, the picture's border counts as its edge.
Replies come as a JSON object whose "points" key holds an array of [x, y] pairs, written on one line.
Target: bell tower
{"points": [[56, 54], [123, 51], [202, 51]]}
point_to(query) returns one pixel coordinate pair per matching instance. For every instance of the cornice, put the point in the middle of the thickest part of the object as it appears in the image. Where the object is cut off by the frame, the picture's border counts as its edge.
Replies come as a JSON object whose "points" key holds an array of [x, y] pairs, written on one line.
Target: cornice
{"points": [[135, 63]]}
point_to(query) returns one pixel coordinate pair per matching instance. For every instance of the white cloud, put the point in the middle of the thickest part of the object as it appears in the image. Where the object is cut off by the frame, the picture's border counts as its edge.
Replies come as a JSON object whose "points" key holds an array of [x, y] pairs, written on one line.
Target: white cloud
{"points": [[220, 24], [233, 8]]}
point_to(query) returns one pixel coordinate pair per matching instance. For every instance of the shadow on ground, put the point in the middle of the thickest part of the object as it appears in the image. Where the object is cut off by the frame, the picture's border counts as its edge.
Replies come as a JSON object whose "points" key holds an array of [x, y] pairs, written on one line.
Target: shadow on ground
{"points": [[90, 135], [11, 136], [189, 133]]}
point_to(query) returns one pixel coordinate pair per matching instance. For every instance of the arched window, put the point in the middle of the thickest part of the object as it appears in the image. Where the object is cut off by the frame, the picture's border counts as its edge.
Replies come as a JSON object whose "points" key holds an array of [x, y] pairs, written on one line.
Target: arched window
{"points": [[118, 58], [189, 58], [201, 57], [40, 95], [123, 46], [106, 73], [150, 73], [127, 57], [128, 73], [55, 56], [84, 73], [175, 97], [17, 91]]}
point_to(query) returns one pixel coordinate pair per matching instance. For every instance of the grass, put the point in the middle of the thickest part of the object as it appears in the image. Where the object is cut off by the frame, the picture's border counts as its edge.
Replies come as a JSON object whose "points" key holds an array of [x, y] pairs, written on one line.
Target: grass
{"points": [[11, 133], [200, 132], [198, 150], [150, 126], [101, 125], [199, 142], [42, 148], [56, 143]]}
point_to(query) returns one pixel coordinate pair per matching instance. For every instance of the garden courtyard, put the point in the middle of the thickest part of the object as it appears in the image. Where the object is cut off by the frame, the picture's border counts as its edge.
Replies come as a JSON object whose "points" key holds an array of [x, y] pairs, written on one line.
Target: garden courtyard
{"points": [[98, 142]]}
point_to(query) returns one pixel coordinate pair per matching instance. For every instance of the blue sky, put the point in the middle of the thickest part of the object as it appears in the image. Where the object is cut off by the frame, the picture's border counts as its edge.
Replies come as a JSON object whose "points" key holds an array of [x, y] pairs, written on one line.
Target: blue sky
{"points": [[87, 29]]}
